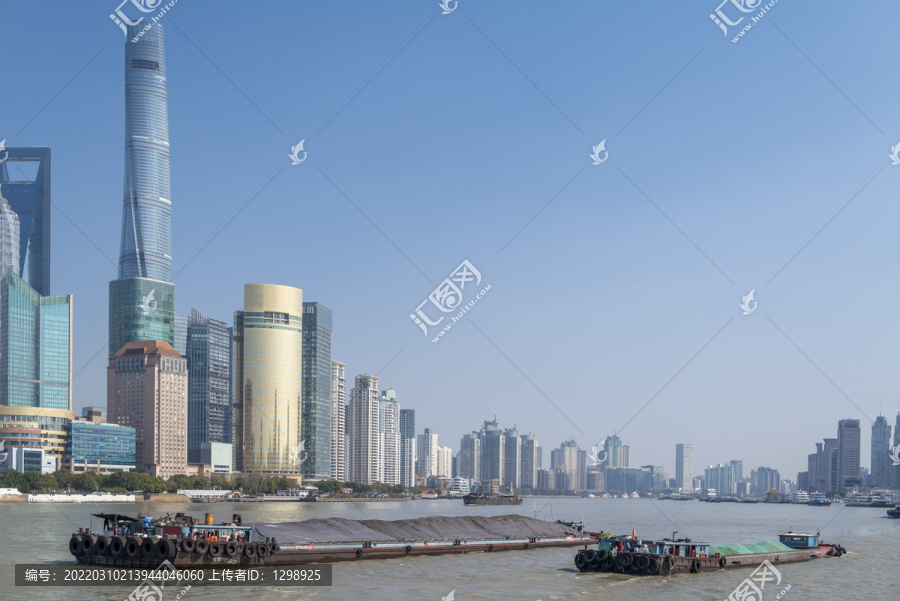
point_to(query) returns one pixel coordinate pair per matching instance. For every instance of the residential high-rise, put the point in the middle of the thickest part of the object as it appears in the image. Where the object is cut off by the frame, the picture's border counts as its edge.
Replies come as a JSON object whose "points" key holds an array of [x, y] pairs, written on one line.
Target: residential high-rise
{"points": [[684, 467], [316, 430], [721, 478], [35, 346], [147, 390], [469, 457], [389, 432], [338, 421], [208, 354], [763, 480], [363, 438], [882, 465], [615, 452], [738, 467], [426, 454], [572, 461], [142, 298], [29, 199], [268, 362], [493, 452], [9, 237], [512, 459], [848, 453], [896, 446], [408, 447], [444, 462], [531, 461]]}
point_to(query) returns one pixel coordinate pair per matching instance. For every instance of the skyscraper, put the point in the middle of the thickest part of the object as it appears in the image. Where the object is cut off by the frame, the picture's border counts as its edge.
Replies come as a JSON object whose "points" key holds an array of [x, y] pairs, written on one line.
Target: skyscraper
{"points": [[512, 459], [9, 237], [571, 461], [615, 452], [389, 432], [142, 298], [338, 421], [268, 359], [684, 467], [426, 454], [882, 465], [35, 346], [316, 430], [408, 447], [181, 333], [208, 354], [363, 448], [531, 461], [29, 199], [147, 390], [493, 452], [848, 453], [469, 457]]}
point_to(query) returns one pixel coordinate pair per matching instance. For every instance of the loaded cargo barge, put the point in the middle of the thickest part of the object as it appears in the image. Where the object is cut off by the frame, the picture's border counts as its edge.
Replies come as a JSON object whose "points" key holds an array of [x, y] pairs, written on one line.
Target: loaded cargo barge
{"points": [[147, 543], [626, 555]]}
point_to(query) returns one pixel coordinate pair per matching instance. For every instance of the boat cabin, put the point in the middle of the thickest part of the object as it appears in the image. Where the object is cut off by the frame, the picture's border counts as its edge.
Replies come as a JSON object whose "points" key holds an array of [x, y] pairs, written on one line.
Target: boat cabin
{"points": [[180, 526], [679, 548], [799, 541]]}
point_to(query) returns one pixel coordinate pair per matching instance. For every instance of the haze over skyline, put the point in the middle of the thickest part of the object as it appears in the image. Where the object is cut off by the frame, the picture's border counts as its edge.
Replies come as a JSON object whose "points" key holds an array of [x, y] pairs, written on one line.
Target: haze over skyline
{"points": [[437, 138]]}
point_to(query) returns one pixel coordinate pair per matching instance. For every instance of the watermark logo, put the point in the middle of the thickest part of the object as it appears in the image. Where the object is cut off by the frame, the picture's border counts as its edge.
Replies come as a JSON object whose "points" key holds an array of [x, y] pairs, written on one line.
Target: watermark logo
{"points": [[144, 6], [895, 454], [895, 150], [4, 154], [601, 147], [148, 303], [448, 298], [299, 454], [3, 453], [452, 595], [598, 454], [149, 591], [748, 304], [449, 6], [736, 13], [295, 153], [751, 589]]}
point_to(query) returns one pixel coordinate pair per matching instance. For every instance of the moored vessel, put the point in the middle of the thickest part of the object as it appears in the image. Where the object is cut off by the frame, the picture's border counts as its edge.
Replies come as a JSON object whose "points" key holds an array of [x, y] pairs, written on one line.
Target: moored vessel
{"points": [[479, 499]]}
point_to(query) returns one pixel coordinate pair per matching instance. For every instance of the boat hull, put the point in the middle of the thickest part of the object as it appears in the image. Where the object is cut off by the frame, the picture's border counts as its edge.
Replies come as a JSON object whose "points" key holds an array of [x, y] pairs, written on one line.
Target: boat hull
{"points": [[330, 553]]}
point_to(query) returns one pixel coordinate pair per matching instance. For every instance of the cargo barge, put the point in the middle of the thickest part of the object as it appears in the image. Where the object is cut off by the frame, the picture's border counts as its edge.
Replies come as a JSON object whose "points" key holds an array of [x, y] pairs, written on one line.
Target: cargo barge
{"points": [[479, 499], [183, 542], [626, 555]]}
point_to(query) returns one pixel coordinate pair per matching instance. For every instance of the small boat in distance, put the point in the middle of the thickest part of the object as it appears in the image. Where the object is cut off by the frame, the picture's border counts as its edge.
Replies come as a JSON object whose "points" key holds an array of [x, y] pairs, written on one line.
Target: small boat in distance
{"points": [[800, 498], [817, 499], [894, 512], [480, 499]]}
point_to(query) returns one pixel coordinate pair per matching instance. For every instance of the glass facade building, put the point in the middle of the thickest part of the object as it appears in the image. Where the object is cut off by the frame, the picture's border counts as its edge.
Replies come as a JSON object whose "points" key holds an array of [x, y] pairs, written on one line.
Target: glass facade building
{"points": [[209, 384], [140, 310], [146, 249], [29, 199], [109, 447], [316, 413], [141, 299], [408, 447], [35, 346], [268, 362], [9, 237]]}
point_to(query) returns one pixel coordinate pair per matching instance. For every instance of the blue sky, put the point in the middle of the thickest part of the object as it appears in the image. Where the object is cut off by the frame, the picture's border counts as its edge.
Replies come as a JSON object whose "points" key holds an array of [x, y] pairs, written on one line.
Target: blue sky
{"points": [[451, 132]]}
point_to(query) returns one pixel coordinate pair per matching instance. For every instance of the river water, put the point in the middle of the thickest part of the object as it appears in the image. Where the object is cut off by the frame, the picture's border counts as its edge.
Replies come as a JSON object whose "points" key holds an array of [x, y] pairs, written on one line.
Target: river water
{"points": [[39, 533]]}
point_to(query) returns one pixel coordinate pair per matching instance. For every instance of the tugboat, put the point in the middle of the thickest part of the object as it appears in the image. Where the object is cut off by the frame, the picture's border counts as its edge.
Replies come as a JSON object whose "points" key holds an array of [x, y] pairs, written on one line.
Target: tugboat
{"points": [[894, 512], [627, 555]]}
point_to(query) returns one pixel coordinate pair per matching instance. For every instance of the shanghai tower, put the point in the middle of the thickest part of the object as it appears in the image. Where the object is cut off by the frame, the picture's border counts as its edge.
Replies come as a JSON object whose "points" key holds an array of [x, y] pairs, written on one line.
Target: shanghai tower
{"points": [[142, 298]]}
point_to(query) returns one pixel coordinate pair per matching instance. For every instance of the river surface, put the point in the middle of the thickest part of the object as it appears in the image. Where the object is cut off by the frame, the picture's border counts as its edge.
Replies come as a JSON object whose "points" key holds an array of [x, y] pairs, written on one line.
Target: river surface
{"points": [[39, 533]]}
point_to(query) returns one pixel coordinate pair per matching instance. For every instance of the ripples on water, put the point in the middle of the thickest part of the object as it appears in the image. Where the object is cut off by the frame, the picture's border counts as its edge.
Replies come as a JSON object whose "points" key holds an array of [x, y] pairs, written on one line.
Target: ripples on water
{"points": [[39, 533]]}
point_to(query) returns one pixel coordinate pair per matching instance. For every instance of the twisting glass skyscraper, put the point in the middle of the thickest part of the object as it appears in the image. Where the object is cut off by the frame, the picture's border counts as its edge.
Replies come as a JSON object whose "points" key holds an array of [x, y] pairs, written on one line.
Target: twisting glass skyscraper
{"points": [[141, 300]]}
